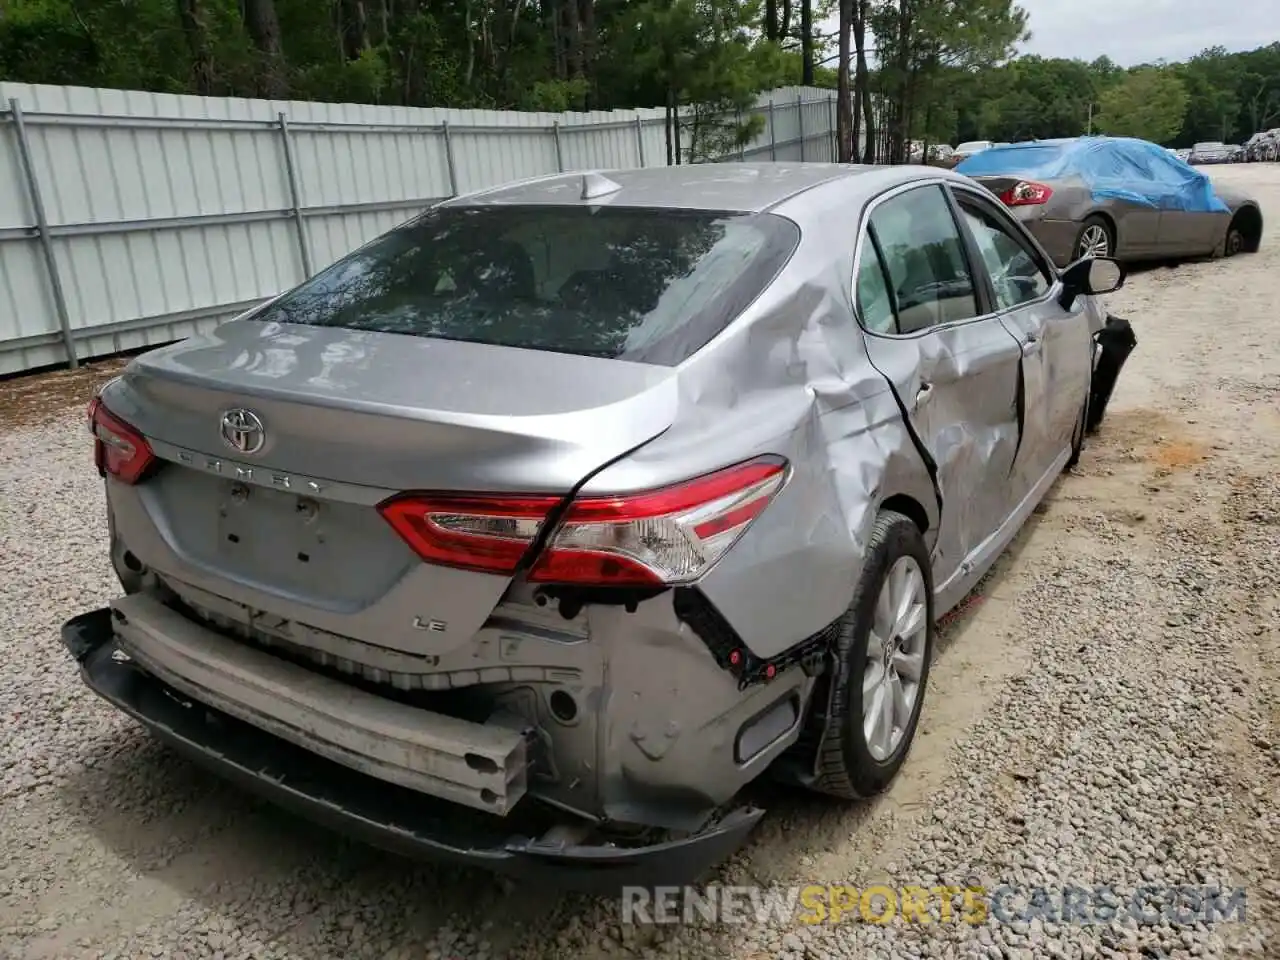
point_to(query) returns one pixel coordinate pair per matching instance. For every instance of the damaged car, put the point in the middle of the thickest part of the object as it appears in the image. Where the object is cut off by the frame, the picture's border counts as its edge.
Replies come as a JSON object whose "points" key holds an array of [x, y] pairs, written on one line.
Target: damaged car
{"points": [[1117, 197], [533, 532]]}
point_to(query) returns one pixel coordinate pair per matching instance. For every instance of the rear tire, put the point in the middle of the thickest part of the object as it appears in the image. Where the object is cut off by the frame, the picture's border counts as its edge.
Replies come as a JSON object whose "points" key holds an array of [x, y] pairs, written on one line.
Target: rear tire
{"points": [[858, 758], [1095, 239], [1234, 242]]}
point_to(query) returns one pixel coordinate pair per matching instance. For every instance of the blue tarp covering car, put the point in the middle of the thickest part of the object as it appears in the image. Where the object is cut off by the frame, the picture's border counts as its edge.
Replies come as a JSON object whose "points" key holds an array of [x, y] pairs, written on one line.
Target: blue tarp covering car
{"points": [[1119, 168]]}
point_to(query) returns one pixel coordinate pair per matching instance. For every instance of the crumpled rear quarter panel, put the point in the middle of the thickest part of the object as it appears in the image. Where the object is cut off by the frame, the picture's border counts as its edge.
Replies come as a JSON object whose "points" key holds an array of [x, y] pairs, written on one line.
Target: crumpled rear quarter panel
{"points": [[792, 377]]}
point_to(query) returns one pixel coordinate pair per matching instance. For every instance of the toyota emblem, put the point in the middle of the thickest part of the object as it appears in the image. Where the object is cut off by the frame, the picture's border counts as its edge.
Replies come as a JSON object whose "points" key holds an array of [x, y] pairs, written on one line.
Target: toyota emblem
{"points": [[242, 431]]}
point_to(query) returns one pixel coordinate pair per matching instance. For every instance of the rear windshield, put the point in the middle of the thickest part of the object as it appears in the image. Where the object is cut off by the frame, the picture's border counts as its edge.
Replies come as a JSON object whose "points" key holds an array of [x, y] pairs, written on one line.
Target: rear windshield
{"points": [[650, 285]]}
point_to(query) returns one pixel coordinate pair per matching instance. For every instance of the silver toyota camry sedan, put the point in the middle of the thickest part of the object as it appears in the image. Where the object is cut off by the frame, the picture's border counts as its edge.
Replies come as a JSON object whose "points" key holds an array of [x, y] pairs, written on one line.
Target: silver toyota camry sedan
{"points": [[535, 530]]}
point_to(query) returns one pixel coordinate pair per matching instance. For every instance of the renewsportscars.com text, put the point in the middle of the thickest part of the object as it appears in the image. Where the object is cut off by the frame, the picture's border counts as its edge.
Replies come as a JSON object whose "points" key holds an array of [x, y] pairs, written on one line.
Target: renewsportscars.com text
{"points": [[1178, 905]]}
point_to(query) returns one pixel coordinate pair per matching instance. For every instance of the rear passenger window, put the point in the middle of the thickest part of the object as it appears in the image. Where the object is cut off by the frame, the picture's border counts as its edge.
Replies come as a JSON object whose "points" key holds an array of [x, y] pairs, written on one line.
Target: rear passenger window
{"points": [[875, 306], [924, 259]]}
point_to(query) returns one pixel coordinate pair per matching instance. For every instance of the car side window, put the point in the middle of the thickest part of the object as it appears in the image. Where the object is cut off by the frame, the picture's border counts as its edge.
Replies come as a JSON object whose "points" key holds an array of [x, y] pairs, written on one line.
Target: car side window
{"points": [[1015, 274], [875, 304], [924, 259]]}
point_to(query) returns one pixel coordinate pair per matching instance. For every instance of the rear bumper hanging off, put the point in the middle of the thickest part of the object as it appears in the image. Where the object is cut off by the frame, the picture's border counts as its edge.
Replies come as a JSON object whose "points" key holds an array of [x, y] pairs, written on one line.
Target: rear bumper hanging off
{"points": [[393, 817], [1115, 342]]}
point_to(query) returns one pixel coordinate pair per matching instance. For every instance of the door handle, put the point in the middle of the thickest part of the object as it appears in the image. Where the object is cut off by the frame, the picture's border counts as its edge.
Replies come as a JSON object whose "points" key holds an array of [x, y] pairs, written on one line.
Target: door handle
{"points": [[924, 394], [1031, 347]]}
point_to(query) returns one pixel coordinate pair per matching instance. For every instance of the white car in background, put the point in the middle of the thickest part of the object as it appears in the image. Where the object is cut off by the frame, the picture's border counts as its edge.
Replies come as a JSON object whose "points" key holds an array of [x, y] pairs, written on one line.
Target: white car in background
{"points": [[968, 149], [964, 152]]}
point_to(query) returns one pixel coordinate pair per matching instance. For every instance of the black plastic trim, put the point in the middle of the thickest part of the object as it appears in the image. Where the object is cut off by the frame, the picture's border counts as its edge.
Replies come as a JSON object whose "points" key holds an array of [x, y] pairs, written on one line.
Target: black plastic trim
{"points": [[725, 645], [1117, 340]]}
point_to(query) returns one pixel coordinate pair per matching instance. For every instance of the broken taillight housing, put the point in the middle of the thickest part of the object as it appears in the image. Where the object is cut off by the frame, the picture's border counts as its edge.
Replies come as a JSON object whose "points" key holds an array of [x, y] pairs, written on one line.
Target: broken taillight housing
{"points": [[656, 538], [1026, 193], [118, 449]]}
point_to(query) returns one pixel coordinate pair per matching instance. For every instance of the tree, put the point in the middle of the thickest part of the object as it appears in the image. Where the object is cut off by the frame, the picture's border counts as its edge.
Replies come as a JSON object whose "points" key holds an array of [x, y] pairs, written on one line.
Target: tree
{"points": [[859, 16], [942, 67], [704, 55], [1212, 79], [1260, 87], [1040, 98], [263, 27], [921, 40], [845, 143], [196, 31], [1150, 104]]}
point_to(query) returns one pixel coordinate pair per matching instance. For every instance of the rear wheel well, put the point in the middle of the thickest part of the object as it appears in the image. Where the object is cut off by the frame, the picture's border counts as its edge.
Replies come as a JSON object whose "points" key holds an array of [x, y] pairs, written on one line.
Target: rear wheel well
{"points": [[910, 508], [1248, 220]]}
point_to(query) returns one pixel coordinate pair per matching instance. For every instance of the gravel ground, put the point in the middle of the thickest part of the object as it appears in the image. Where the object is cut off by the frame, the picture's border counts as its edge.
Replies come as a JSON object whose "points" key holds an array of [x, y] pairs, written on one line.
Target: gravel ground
{"points": [[1107, 714]]}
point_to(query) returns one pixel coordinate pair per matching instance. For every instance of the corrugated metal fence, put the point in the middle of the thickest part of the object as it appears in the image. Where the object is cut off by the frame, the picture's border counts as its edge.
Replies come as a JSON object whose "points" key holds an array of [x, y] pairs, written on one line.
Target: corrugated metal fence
{"points": [[130, 219]]}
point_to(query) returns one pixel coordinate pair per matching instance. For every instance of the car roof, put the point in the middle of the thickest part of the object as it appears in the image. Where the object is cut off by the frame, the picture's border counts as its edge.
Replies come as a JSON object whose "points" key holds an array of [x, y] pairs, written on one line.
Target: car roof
{"points": [[736, 187]]}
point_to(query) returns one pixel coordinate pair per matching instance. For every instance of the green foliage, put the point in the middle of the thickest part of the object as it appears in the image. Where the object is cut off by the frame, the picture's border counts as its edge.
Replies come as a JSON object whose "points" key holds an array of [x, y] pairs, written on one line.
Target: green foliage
{"points": [[945, 72], [554, 96], [585, 54], [1226, 96], [926, 48], [1150, 103], [1041, 99]]}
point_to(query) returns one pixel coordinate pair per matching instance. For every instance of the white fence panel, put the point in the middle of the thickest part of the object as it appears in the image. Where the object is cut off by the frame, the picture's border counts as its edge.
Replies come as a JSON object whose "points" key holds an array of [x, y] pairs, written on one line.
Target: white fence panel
{"points": [[164, 215]]}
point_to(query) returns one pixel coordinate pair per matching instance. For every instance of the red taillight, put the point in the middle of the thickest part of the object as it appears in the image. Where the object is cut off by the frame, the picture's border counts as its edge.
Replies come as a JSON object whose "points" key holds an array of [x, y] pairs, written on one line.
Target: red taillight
{"points": [[1026, 193], [665, 536], [118, 449], [656, 538], [488, 534]]}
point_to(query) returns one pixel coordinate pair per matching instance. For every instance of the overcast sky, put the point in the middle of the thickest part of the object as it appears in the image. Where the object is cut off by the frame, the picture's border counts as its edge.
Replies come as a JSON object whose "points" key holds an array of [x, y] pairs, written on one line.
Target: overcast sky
{"points": [[1142, 31]]}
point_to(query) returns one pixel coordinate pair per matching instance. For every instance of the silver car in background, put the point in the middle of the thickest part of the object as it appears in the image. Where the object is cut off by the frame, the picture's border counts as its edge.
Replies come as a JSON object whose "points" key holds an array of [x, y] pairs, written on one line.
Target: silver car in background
{"points": [[1210, 152], [532, 532]]}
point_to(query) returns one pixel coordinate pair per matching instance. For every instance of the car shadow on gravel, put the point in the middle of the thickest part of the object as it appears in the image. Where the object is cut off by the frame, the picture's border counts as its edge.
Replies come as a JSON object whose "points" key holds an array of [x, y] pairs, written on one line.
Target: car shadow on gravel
{"points": [[193, 841]]}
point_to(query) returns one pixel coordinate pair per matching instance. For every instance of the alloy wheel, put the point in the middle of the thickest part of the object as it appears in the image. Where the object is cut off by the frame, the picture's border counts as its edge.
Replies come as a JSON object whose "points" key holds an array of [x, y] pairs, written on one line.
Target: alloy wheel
{"points": [[895, 658], [1094, 241]]}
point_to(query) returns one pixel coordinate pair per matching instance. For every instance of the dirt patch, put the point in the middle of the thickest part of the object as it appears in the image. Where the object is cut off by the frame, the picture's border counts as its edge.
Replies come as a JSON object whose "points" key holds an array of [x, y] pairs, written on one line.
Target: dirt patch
{"points": [[45, 398], [1179, 453]]}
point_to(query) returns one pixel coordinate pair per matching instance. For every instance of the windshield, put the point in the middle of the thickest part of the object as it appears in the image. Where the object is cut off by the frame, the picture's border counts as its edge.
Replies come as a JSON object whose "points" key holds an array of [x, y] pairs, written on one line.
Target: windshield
{"points": [[1214, 145], [973, 146], [650, 285]]}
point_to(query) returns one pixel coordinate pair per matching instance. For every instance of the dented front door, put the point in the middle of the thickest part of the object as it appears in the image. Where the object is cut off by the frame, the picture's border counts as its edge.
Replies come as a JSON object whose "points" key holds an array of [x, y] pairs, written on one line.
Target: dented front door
{"points": [[1053, 342]]}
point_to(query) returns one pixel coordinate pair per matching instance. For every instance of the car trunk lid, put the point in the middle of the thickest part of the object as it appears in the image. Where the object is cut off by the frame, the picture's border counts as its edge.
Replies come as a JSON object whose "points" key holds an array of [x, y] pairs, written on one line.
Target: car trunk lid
{"points": [[398, 412], [350, 418]]}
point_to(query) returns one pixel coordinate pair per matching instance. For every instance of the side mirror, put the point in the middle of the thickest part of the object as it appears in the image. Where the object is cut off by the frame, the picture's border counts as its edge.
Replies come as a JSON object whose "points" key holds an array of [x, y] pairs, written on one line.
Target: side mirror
{"points": [[1090, 276]]}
